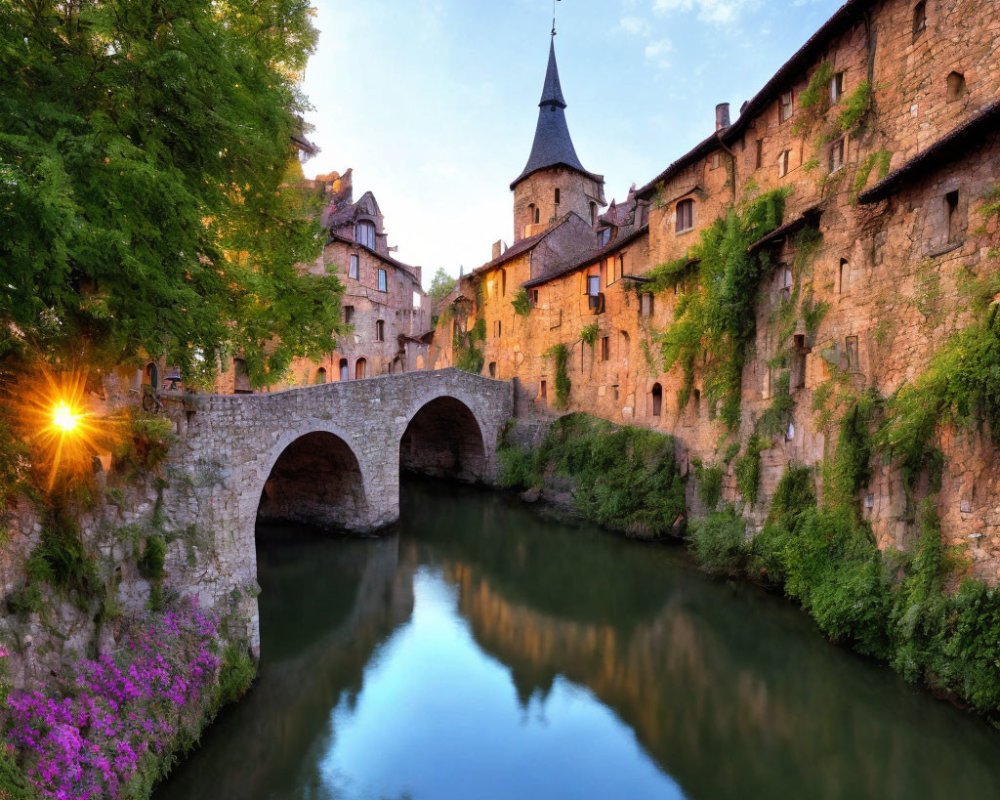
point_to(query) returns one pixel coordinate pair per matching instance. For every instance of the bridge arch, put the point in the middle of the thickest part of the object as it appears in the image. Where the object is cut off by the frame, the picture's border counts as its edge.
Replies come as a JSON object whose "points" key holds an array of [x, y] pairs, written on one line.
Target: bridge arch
{"points": [[314, 476], [445, 438]]}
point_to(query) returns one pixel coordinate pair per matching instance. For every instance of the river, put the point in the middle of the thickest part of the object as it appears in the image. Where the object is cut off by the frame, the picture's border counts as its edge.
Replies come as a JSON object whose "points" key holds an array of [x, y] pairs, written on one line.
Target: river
{"points": [[481, 651]]}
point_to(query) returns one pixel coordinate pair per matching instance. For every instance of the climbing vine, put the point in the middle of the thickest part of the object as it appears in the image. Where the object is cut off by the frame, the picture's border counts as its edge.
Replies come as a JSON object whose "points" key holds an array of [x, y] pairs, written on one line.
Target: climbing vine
{"points": [[521, 303], [560, 357], [588, 335]]}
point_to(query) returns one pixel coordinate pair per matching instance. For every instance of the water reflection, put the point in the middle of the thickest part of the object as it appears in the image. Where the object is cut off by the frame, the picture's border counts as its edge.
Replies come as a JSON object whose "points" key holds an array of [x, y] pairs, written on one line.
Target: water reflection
{"points": [[484, 652]]}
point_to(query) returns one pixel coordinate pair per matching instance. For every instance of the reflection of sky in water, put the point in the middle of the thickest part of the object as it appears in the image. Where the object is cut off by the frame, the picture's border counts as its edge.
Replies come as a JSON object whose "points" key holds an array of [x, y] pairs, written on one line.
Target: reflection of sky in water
{"points": [[440, 719]]}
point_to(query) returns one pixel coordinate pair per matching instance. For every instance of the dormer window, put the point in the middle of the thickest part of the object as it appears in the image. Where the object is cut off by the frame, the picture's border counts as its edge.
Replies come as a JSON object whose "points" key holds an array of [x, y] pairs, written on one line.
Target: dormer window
{"points": [[685, 216], [603, 236], [364, 234]]}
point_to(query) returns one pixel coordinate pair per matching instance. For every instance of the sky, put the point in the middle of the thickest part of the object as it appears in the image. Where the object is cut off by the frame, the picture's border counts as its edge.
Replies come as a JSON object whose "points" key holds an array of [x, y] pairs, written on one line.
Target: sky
{"points": [[433, 103]]}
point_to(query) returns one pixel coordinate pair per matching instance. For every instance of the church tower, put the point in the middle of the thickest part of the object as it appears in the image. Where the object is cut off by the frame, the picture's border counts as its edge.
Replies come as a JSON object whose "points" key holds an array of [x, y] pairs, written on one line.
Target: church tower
{"points": [[553, 182]]}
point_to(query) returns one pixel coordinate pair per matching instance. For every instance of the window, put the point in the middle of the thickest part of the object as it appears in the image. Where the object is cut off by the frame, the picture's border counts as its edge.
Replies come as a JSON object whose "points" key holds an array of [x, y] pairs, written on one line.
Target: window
{"points": [[798, 376], [542, 395], [593, 214], [836, 87], [538, 214], [359, 368], [503, 282], [657, 399], [493, 369], [348, 314], [151, 376], [416, 298], [497, 330], [836, 155], [343, 369], [382, 284], [783, 163], [786, 284], [321, 375], [851, 348], [605, 348], [379, 330], [845, 275], [593, 285], [759, 160], [646, 304], [353, 270], [534, 297], [557, 196], [716, 161], [919, 18], [951, 208], [531, 213], [241, 384], [685, 216], [786, 106], [364, 233], [603, 236], [956, 86]]}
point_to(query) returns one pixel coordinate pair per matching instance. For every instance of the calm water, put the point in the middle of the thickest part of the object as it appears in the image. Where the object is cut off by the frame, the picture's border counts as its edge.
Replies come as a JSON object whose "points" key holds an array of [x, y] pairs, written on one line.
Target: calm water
{"points": [[482, 652]]}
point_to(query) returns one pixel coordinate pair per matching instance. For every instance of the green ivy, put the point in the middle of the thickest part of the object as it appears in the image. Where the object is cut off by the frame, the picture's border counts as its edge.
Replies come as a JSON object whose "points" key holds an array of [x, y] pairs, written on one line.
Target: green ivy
{"points": [[521, 303], [709, 478], [589, 334], [560, 357], [747, 469], [878, 161], [856, 105]]}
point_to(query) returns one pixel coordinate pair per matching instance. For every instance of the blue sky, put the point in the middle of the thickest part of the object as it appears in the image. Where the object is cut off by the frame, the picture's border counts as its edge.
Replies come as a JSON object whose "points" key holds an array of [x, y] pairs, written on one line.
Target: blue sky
{"points": [[433, 102]]}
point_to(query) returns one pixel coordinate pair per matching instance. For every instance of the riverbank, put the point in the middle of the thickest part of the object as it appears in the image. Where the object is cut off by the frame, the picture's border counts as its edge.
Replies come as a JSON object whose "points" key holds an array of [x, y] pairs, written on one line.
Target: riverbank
{"points": [[916, 610]]}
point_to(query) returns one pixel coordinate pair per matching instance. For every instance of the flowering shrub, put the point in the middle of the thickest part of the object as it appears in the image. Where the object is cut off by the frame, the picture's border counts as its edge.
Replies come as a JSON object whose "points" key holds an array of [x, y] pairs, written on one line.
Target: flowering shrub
{"points": [[89, 736]]}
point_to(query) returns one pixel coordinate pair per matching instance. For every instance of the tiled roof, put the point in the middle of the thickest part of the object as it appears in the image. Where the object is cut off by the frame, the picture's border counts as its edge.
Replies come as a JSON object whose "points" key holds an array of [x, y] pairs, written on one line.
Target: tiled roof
{"points": [[947, 148], [789, 227], [624, 237]]}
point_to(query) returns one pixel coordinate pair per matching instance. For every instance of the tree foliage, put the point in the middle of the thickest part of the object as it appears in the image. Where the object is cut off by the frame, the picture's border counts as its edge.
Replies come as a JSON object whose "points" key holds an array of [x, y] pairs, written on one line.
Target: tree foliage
{"points": [[148, 185]]}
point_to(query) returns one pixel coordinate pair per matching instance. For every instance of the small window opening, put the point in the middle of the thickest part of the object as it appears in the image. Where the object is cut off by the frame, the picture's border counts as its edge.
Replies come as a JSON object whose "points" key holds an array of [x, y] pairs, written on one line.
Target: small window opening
{"points": [[343, 369], [646, 304], [593, 214], [919, 18], [497, 330], [716, 161], [348, 314], [836, 155], [493, 369], [956, 86], [798, 377], [353, 271], [321, 375], [786, 106], [605, 348], [845, 275], [538, 214], [557, 196], [836, 87], [783, 163], [382, 283], [657, 399], [379, 330], [359, 368], [685, 216], [951, 206], [542, 393], [503, 282], [759, 160], [534, 297]]}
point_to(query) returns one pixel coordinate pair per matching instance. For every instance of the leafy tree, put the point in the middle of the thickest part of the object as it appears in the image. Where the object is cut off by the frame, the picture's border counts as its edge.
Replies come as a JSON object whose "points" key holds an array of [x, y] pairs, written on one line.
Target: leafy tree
{"points": [[441, 285], [147, 184]]}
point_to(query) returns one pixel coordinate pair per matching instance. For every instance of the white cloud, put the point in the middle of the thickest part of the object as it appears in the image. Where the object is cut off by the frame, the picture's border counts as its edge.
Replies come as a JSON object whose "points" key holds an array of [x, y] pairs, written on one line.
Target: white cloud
{"points": [[720, 12], [635, 25], [657, 53]]}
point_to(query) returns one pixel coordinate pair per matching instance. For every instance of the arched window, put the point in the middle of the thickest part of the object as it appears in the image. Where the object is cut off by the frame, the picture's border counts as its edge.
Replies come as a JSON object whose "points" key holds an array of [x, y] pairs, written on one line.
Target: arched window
{"points": [[151, 375], [845, 275], [364, 233], [380, 330], [359, 368], [344, 374], [321, 375], [657, 399], [532, 211], [538, 214], [919, 18], [956, 86]]}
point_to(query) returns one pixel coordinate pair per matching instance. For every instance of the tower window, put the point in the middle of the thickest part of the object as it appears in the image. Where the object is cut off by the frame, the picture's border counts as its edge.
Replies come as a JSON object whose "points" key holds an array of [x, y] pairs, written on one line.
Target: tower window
{"points": [[919, 18], [364, 233], [382, 283], [956, 86], [557, 195], [343, 369]]}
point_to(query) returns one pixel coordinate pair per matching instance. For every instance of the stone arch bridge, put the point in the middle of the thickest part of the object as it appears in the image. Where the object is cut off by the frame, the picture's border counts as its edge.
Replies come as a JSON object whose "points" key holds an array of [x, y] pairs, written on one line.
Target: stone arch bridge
{"points": [[329, 454]]}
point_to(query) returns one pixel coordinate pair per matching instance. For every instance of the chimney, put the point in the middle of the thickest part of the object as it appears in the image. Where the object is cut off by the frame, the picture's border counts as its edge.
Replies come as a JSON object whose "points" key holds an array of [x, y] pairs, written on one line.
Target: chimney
{"points": [[496, 249], [721, 116]]}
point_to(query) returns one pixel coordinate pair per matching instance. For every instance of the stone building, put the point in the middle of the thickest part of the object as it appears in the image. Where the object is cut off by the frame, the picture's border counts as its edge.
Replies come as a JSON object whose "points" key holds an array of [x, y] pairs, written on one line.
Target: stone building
{"points": [[383, 302], [882, 130]]}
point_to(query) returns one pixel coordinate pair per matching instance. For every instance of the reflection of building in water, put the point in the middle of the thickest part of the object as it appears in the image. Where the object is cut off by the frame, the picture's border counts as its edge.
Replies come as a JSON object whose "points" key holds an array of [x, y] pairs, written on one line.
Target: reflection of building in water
{"points": [[723, 710]]}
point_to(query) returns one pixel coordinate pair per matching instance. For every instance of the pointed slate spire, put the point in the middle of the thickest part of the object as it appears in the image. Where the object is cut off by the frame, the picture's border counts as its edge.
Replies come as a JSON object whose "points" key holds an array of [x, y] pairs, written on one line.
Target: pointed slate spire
{"points": [[553, 145], [551, 90]]}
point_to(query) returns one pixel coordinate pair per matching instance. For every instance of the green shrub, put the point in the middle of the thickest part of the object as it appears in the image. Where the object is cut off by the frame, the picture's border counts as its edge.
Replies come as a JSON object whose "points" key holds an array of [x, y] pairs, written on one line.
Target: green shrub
{"points": [[144, 445], [237, 673], [154, 554], [856, 105], [747, 469], [794, 495], [719, 542], [588, 335], [13, 781], [709, 484], [560, 356], [62, 561], [517, 468]]}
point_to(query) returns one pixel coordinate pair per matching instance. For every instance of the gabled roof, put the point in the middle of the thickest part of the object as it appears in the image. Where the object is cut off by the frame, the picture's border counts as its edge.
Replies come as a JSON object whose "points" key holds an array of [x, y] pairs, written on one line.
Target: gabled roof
{"points": [[334, 237], [955, 144], [518, 248], [552, 145], [625, 237]]}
